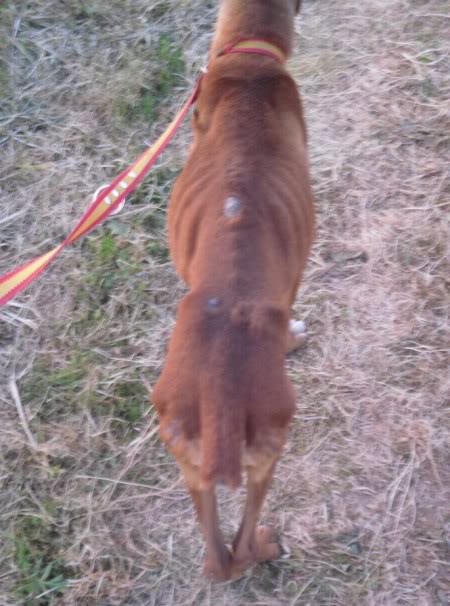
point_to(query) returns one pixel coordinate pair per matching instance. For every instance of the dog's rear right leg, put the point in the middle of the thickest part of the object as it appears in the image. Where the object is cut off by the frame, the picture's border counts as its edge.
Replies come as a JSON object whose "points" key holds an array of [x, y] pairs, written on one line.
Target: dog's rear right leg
{"points": [[252, 543]]}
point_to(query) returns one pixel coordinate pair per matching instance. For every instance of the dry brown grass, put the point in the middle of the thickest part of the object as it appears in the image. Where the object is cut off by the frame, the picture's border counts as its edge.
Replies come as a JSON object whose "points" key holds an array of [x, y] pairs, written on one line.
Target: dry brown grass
{"points": [[91, 508]]}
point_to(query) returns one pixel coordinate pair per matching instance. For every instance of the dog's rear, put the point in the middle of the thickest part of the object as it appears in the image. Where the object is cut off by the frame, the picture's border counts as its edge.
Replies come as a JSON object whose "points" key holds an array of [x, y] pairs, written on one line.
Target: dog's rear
{"points": [[223, 374], [240, 227]]}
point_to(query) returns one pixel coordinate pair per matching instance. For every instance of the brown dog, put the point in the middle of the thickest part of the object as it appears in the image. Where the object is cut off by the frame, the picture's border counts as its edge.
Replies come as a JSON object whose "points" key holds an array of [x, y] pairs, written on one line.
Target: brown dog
{"points": [[240, 228]]}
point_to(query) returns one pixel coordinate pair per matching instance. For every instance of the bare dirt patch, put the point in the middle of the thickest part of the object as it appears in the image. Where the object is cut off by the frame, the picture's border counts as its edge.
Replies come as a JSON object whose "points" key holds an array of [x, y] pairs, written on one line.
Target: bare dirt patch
{"points": [[91, 507]]}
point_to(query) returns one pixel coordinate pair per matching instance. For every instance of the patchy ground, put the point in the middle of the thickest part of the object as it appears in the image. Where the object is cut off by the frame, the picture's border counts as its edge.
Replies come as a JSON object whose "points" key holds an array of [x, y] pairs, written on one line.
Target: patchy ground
{"points": [[91, 508]]}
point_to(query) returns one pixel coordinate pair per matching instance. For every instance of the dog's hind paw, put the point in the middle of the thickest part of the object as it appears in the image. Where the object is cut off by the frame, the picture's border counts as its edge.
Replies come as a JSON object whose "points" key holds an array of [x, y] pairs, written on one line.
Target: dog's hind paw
{"points": [[218, 569]]}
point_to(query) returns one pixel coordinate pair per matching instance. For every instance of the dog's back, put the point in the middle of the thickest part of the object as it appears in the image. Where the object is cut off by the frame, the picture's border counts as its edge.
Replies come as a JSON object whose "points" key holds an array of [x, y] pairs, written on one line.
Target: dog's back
{"points": [[249, 150]]}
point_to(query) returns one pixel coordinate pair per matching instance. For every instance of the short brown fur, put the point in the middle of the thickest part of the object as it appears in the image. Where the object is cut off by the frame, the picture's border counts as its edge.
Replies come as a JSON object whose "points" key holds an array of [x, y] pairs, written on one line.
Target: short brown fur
{"points": [[223, 398]]}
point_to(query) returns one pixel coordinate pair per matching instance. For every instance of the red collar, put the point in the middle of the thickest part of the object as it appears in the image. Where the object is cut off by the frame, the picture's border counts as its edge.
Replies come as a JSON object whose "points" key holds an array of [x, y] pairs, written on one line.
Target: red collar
{"points": [[254, 46]]}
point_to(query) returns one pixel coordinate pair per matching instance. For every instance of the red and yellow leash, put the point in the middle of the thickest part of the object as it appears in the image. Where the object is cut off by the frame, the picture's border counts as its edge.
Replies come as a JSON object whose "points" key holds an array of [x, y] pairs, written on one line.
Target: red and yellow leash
{"points": [[106, 200], [109, 198]]}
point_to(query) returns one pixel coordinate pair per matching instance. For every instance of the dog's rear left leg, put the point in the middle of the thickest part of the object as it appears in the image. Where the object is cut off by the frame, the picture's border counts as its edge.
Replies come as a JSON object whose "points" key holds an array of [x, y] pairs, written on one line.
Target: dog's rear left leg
{"points": [[217, 565], [218, 558]]}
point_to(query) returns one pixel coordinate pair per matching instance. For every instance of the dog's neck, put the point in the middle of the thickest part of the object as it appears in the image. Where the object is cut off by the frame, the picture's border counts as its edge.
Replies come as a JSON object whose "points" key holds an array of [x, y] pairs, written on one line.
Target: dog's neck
{"points": [[271, 20]]}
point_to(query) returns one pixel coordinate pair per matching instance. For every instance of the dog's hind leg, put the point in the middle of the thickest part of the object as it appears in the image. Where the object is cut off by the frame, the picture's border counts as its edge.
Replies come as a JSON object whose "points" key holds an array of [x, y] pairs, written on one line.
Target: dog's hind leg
{"points": [[217, 564], [252, 543], [218, 559]]}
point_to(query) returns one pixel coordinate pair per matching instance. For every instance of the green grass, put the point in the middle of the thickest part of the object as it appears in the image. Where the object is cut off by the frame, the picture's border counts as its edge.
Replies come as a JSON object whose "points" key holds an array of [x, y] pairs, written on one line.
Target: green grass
{"points": [[4, 79], [84, 10], [111, 262], [5, 24], [152, 94], [171, 65], [42, 573], [67, 390], [159, 250], [59, 386], [128, 405], [160, 9]]}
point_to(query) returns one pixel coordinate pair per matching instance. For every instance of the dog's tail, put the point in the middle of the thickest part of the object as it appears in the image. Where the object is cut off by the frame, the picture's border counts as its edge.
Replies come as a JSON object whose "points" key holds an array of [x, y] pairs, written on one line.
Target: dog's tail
{"points": [[223, 434], [239, 359]]}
